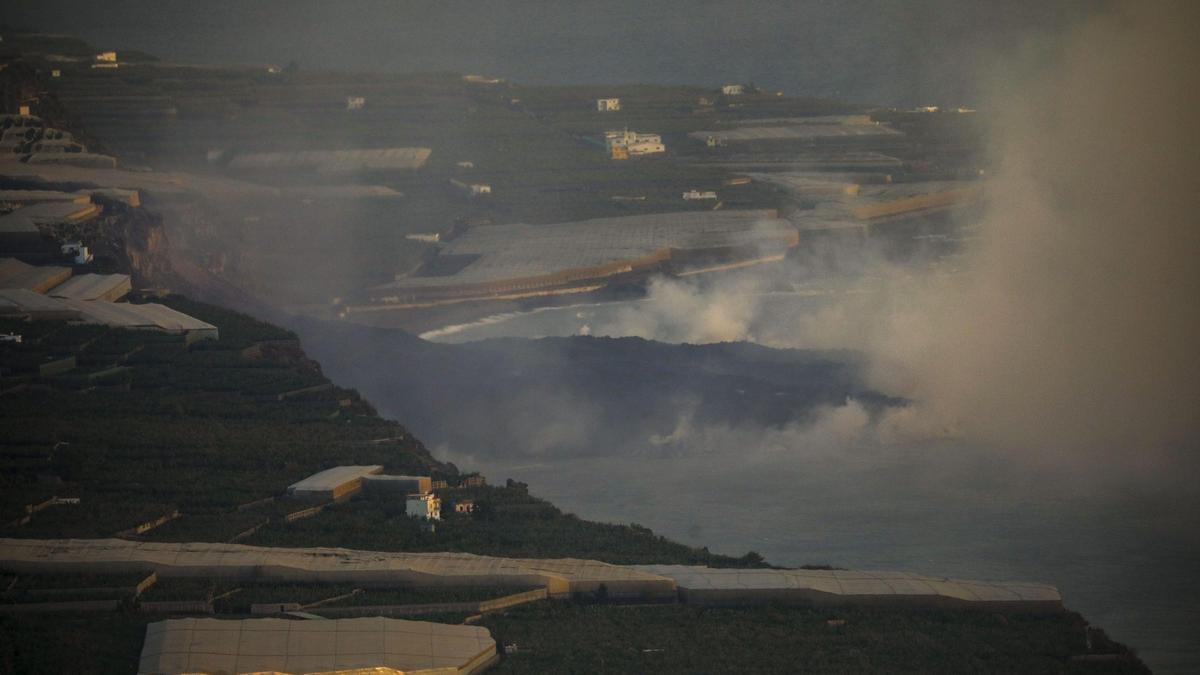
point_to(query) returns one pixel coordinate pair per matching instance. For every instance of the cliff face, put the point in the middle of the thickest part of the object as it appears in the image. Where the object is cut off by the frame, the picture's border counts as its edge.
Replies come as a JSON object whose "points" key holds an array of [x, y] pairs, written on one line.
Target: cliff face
{"points": [[126, 239], [140, 242]]}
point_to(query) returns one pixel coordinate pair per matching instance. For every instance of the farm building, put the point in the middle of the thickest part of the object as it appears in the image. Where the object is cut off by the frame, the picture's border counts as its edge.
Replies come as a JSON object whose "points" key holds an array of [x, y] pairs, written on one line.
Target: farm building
{"points": [[608, 104], [561, 577], [51, 145], [888, 201], [397, 485], [39, 279], [24, 302], [148, 316], [506, 259], [709, 586], [360, 645], [800, 129], [341, 192], [472, 189], [88, 160], [104, 287], [27, 218], [39, 196], [333, 161], [331, 484]]}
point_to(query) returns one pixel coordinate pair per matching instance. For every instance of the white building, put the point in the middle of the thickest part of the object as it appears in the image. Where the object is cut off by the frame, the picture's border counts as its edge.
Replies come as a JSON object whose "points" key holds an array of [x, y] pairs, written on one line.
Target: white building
{"points": [[608, 104], [427, 506], [633, 142], [697, 194], [81, 254], [472, 189], [733, 90], [355, 102]]}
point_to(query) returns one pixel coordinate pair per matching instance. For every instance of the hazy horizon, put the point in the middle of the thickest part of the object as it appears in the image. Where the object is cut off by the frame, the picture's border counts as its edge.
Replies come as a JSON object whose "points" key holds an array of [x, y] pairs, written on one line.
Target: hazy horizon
{"points": [[867, 51]]}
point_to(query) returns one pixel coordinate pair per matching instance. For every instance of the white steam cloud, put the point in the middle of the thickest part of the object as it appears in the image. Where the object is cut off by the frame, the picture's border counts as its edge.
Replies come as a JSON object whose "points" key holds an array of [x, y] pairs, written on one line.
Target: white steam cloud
{"points": [[1072, 330]]}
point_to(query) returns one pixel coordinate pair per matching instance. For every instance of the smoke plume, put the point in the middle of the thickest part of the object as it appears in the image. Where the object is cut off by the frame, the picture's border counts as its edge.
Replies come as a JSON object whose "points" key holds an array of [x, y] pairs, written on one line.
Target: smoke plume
{"points": [[1068, 328], [1076, 328]]}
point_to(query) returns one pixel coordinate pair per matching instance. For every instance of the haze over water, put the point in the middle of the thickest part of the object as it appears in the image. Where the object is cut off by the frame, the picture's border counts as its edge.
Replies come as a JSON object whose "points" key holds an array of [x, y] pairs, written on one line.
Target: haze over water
{"points": [[1124, 558]]}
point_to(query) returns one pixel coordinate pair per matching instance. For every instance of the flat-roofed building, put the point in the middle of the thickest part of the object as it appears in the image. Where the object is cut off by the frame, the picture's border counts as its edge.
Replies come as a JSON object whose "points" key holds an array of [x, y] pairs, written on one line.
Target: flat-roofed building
{"points": [[361, 645], [561, 577], [710, 586], [148, 316], [48, 213], [94, 287], [397, 485], [521, 258], [797, 130], [338, 192], [39, 196], [334, 161], [88, 160], [332, 484], [36, 278], [22, 302]]}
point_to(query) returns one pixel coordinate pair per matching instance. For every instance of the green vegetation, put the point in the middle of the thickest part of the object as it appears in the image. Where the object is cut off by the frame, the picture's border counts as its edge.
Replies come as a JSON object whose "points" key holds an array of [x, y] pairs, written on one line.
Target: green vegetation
{"points": [[71, 643], [201, 430], [572, 637], [508, 522], [578, 638]]}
